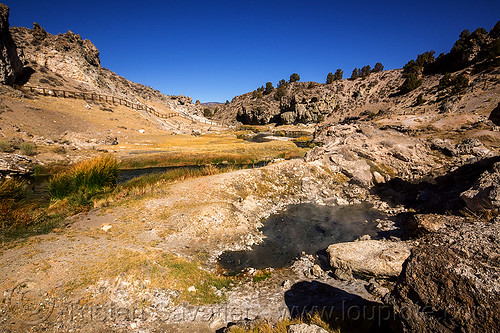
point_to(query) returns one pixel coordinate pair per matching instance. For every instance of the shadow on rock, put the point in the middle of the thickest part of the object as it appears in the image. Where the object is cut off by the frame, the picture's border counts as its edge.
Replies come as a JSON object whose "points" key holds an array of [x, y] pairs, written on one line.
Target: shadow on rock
{"points": [[440, 195], [349, 312]]}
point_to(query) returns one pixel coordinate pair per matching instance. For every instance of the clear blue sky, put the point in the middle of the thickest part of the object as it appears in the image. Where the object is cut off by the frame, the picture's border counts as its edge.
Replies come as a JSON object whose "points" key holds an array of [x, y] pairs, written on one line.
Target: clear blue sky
{"points": [[214, 50]]}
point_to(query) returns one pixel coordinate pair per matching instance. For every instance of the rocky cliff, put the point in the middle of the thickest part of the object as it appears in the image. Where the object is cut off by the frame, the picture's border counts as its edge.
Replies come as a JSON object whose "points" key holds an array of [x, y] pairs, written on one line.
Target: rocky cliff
{"points": [[475, 56], [67, 60], [10, 65]]}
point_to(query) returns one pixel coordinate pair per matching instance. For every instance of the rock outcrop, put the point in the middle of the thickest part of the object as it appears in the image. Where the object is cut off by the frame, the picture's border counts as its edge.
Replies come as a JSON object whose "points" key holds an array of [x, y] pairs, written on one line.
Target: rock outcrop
{"points": [[368, 155], [12, 165], [484, 195], [10, 64], [373, 258], [450, 283], [67, 60]]}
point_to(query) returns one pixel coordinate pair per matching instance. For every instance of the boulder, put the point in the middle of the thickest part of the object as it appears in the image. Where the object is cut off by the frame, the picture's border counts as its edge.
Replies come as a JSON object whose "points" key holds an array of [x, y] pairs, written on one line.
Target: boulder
{"points": [[353, 167], [444, 146], [495, 115], [11, 66], [484, 195], [374, 258], [450, 283]]}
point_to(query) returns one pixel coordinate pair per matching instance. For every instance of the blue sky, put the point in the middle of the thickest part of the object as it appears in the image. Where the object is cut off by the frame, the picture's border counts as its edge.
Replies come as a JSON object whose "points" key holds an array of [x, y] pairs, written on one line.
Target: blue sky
{"points": [[214, 50]]}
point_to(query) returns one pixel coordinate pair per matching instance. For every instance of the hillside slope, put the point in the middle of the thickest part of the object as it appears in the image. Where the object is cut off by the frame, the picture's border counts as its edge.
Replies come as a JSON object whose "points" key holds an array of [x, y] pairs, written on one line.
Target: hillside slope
{"points": [[475, 56]]}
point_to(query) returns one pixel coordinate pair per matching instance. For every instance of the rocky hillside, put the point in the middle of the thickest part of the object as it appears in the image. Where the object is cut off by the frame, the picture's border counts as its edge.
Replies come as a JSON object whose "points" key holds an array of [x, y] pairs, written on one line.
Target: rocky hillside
{"points": [[68, 61], [475, 56]]}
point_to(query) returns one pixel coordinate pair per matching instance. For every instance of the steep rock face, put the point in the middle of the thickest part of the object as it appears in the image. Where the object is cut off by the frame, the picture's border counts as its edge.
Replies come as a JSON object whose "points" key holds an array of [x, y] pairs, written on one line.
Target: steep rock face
{"points": [[10, 64], [65, 54], [450, 283], [305, 102], [77, 66]]}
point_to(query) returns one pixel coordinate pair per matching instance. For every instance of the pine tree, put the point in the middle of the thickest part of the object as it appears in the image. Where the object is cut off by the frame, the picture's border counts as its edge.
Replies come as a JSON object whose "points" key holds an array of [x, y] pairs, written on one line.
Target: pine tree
{"points": [[355, 73], [329, 78], [294, 77], [339, 74], [378, 67]]}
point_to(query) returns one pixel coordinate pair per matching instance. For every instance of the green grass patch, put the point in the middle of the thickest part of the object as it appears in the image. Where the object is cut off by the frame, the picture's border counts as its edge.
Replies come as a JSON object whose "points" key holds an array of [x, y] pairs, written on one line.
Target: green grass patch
{"points": [[160, 270], [261, 276]]}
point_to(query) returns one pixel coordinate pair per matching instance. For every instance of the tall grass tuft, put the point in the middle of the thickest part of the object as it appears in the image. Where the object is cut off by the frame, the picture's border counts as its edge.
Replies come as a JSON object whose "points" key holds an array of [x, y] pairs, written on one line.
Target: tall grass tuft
{"points": [[85, 178], [27, 148], [12, 188]]}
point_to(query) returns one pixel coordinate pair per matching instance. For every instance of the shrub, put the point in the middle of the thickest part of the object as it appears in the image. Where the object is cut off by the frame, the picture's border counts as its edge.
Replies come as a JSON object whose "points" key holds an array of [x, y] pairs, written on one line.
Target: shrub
{"points": [[12, 188], [294, 77], [420, 99], [27, 148], [311, 85], [412, 82], [445, 81], [280, 92], [256, 94], [5, 146], [460, 82], [329, 78], [207, 113], [457, 83], [85, 178]]}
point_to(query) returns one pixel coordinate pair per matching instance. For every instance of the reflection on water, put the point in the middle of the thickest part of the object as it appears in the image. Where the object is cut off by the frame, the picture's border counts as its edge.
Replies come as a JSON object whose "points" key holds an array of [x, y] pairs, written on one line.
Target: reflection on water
{"points": [[304, 227]]}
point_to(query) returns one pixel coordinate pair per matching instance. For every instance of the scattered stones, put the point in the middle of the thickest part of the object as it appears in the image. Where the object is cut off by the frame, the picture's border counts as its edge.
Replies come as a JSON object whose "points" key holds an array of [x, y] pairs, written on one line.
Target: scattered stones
{"points": [[111, 140], [14, 165], [368, 258], [316, 271]]}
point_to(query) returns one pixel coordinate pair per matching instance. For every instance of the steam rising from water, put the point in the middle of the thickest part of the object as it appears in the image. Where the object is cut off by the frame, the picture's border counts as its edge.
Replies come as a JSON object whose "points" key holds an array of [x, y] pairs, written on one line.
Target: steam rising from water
{"points": [[304, 227]]}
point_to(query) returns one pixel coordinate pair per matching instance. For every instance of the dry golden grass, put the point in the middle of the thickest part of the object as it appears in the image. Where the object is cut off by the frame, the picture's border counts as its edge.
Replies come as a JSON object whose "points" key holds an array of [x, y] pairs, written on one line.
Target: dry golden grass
{"points": [[177, 150]]}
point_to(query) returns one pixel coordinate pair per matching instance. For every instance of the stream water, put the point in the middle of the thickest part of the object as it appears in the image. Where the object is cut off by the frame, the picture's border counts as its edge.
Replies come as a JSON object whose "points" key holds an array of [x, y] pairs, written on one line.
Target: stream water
{"points": [[305, 228]]}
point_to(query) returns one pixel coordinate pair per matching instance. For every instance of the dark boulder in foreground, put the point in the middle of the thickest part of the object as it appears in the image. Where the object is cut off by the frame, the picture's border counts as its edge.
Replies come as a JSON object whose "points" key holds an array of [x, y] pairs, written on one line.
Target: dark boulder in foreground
{"points": [[495, 115], [451, 281]]}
